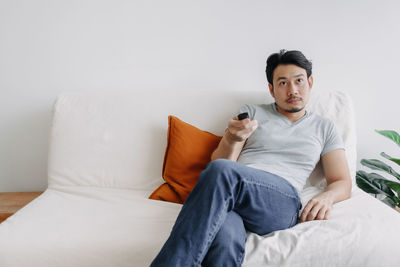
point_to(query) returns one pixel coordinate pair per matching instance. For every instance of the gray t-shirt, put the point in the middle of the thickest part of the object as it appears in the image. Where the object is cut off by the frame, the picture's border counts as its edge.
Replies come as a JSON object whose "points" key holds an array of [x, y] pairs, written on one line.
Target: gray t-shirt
{"points": [[290, 150]]}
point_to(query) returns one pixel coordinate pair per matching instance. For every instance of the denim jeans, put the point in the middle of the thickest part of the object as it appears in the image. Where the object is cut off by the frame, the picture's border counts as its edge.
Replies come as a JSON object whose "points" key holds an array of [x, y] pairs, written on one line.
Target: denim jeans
{"points": [[228, 199]]}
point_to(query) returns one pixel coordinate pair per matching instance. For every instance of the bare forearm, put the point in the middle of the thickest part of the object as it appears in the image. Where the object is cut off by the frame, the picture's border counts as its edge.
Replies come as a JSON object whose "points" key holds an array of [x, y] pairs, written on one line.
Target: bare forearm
{"points": [[227, 148], [338, 190]]}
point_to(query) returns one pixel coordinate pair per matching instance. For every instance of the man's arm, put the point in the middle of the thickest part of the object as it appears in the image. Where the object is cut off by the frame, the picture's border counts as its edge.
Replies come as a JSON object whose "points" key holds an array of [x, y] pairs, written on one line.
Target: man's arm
{"points": [[234, 138], [338, 187]]}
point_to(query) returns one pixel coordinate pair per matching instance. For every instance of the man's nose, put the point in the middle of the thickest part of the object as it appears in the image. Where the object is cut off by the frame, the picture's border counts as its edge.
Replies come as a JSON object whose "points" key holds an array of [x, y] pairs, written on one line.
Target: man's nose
{"points": [[292, 90]]}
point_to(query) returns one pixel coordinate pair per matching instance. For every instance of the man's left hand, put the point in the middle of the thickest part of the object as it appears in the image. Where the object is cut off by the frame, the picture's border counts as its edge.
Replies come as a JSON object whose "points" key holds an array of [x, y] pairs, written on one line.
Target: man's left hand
{"points": [[317, 208]]}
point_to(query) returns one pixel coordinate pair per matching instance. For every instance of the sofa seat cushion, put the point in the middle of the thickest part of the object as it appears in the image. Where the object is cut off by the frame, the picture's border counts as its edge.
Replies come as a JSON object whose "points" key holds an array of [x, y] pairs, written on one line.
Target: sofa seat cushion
{"points": [[361, 231], [83, 226]]}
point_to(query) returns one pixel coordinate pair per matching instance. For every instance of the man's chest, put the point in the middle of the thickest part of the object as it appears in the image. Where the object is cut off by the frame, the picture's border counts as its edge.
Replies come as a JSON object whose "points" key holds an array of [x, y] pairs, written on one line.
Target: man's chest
{"points": [[296, 140]]}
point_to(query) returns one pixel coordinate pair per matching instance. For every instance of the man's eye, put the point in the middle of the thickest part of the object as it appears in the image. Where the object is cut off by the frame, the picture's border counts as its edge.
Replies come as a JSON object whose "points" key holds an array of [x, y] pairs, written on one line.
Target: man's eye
{"points": [[283, 83], [300, 80]]}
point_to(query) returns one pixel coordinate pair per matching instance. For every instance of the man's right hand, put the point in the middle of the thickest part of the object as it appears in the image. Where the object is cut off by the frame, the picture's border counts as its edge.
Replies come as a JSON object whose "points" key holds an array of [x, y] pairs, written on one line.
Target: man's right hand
{"points": [[240, 130], [233, 140]]}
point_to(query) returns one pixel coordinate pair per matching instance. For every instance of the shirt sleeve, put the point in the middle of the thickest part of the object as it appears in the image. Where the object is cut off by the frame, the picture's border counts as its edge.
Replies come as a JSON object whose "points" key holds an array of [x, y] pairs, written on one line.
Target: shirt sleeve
{"points": [[333, 140], [246, 108]]}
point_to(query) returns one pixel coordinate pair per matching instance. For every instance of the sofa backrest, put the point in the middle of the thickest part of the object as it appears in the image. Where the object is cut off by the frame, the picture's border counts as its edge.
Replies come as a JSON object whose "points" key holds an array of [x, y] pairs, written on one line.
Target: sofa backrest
{"points": [[118, 139]]}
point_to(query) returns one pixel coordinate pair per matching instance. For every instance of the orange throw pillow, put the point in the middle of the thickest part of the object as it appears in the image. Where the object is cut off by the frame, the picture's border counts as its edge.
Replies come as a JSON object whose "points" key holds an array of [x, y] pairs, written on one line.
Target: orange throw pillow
{"points": [[187, 155]]}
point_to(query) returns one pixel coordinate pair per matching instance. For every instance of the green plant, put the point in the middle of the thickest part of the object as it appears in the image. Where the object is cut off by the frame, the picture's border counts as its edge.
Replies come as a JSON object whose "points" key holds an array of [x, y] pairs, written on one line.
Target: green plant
{"points": [[386, 190]]}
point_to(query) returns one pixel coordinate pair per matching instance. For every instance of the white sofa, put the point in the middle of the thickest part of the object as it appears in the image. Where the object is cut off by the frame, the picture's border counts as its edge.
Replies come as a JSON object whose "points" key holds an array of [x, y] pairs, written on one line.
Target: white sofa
{"points": [[105, 158]]}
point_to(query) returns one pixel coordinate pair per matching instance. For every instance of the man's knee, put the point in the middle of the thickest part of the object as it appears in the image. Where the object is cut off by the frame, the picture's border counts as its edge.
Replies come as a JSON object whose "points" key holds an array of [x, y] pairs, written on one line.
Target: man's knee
{"points": [[215, 169], [214, 177], [220, 165]]}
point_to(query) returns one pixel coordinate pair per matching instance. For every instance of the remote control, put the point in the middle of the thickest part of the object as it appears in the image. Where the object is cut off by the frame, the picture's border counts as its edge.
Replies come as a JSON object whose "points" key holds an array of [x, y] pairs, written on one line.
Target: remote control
{"points": [[243, 116]]}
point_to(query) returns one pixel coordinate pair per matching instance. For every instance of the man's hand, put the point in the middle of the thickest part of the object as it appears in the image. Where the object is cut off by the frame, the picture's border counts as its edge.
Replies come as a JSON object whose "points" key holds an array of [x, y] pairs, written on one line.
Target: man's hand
{"points": [[240, 130], [234, 138], [338, 187], [317, 208]]}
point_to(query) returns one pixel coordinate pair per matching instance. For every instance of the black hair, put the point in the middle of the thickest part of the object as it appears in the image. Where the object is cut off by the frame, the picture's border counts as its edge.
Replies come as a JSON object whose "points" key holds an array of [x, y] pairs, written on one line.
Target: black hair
{"points": [[287, 57]]}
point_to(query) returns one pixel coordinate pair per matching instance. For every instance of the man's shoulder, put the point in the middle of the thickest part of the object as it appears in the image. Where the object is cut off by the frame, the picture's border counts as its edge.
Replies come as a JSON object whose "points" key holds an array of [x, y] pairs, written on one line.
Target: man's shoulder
{"points": [[259, 109], [322, 121], [263, 106]]}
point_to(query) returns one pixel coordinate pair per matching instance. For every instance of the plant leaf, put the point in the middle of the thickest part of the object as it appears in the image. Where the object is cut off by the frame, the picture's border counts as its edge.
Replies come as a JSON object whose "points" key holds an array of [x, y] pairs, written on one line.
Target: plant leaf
{"points": [[386, 156], [393, 135], [389, 202], [373, 183], [395, 186], [376, 164]]}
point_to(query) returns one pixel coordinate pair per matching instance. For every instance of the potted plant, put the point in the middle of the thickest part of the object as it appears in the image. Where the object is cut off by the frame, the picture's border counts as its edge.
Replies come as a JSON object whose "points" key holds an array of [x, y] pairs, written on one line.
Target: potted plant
{"points": [[384, 189]]}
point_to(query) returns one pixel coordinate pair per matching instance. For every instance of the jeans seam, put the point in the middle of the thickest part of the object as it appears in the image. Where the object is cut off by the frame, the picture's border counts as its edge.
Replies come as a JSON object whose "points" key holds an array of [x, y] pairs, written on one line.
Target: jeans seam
{"points": [[212, 233], [272, 187], [240, 258]]}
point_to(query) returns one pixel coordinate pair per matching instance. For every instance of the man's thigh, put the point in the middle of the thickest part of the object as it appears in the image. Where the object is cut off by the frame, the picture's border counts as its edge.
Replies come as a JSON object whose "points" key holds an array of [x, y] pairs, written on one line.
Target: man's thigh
{"points": [[265, 201]]}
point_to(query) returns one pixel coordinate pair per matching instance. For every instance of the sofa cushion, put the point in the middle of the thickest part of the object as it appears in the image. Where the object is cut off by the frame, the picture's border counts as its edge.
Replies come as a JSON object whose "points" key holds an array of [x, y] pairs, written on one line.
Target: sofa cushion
{"points": [[117, 139], [91, 226], [84, 226], [188, 152]]}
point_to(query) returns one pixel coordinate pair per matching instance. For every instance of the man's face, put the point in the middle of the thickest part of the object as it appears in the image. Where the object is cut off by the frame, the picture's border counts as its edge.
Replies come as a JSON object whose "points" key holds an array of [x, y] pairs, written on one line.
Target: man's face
{"points": [[291, 88]]}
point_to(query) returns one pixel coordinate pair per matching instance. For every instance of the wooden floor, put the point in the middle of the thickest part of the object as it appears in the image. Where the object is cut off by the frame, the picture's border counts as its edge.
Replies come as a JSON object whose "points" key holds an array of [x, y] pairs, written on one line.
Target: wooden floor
{"points": [[11, 202]]}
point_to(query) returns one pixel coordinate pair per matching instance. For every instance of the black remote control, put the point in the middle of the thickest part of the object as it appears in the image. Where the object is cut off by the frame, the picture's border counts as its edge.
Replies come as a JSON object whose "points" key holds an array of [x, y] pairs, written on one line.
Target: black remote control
{"points": [[243, 116]]}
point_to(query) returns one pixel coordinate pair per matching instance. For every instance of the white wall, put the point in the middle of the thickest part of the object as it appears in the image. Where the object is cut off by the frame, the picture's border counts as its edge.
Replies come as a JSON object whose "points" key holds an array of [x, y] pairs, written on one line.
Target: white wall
{"points": [[47, 47]]}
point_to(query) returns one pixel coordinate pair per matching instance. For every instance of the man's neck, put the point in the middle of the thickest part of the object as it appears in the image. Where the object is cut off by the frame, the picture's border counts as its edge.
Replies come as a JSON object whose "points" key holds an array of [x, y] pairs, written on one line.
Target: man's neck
{"points": [[292, 116]]}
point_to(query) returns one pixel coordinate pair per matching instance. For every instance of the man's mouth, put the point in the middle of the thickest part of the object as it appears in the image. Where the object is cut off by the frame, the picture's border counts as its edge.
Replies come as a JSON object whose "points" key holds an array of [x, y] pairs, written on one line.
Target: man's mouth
{"points": [[293, 100]]}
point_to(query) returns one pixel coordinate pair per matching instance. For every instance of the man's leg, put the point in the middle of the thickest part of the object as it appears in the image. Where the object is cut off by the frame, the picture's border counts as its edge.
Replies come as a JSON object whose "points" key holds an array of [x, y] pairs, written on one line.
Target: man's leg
{"points": [[265, 202], [227, 248]]}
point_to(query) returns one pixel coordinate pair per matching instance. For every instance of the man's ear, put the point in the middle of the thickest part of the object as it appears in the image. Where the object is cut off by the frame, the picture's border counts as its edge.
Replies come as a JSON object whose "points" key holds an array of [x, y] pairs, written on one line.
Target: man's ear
{"points": [[310, 81], [271, 90]]}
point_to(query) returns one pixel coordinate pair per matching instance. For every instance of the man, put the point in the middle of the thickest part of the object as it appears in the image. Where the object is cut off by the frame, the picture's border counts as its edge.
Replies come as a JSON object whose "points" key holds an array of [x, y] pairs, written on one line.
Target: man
{"points": [[257, 171]]}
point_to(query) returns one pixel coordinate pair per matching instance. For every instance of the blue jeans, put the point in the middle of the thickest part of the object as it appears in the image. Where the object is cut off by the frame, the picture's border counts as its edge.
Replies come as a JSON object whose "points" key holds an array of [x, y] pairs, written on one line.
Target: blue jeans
{"points": [[229, 199]]}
